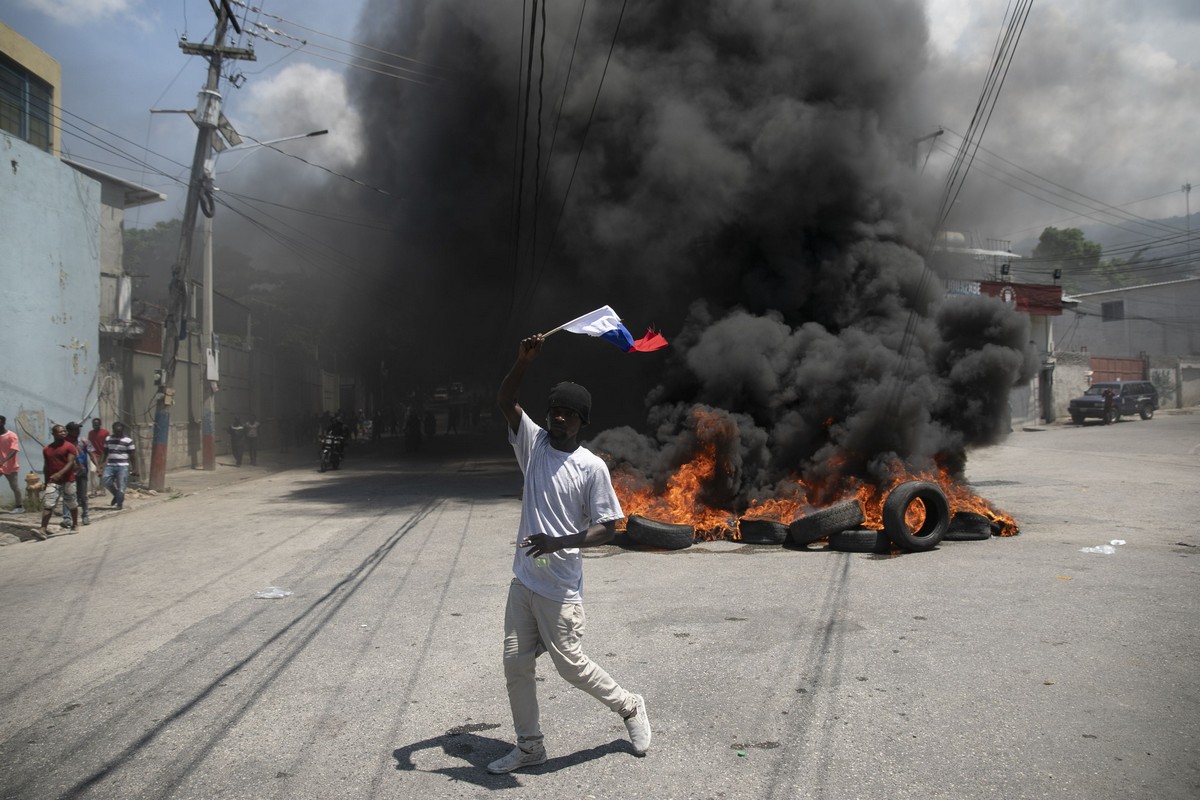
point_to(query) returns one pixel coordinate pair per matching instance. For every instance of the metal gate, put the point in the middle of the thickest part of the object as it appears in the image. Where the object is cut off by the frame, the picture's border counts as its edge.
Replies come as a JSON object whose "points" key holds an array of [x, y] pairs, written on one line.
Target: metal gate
{"points": [[1111, 368]]}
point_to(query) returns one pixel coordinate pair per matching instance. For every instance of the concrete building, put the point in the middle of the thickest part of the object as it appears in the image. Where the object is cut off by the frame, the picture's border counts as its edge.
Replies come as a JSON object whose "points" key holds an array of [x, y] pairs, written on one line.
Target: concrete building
{"points": [[1156, 319], [60, 258]]}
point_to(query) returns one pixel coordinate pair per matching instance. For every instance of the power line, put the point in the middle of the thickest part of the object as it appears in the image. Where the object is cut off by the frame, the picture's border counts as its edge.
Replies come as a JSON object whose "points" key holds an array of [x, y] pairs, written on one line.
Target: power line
{"points": [[337, 38], [1091, 203], [304, 44], [578, 155], [318, 166]]}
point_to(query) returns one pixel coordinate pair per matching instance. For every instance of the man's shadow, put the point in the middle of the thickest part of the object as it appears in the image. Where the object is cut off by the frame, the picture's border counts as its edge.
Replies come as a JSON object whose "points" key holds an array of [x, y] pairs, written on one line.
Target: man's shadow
{"points": [[477, 752]]}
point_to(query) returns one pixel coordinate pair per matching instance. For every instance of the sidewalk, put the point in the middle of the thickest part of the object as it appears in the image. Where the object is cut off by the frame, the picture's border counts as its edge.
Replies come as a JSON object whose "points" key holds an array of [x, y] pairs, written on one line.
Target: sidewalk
{"points": [[17, 528]]}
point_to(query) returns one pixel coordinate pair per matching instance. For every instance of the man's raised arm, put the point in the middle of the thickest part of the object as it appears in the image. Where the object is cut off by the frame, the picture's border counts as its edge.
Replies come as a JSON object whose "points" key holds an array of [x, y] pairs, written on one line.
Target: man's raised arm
{"points": [[506, 397]]}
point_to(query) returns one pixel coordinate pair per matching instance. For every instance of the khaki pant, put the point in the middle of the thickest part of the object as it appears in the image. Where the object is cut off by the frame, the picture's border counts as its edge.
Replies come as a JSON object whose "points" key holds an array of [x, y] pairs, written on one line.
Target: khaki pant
{"points": [[56, 492], [534, 625]]}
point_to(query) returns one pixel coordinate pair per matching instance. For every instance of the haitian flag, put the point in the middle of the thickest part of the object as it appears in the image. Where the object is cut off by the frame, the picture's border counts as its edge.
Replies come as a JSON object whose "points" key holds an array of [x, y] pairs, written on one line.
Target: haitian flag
{"points": [[604, 323]]}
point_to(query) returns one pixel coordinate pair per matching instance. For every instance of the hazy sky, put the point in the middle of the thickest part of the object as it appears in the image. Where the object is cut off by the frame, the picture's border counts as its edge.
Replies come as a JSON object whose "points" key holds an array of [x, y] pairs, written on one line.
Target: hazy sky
{"points": [[1103, 98]]}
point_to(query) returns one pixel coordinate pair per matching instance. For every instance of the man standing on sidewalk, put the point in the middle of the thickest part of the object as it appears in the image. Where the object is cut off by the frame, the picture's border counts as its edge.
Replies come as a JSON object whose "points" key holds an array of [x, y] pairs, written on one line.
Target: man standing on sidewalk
{"points": [[568, 503], [117, 451], [59, 469], [10, 466]]}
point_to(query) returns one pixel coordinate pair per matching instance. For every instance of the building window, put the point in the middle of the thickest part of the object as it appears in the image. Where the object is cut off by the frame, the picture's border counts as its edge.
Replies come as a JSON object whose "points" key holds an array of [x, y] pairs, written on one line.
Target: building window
{"points": [[1112, 312], [24, 104]]}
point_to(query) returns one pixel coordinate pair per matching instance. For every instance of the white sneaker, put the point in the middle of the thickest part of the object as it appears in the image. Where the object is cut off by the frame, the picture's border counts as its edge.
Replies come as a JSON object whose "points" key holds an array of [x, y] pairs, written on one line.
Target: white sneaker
{"points": [[16, 510], [638, 725], [517, 759]]}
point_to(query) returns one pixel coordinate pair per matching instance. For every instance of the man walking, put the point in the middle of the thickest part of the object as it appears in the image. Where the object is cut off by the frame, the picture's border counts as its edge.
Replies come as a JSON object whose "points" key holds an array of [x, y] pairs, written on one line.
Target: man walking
{"points": [[84, 463], [252, 439], [96, 438], [118, 448], [58, 465], [237, 439], [10, 466], [568, 503]]}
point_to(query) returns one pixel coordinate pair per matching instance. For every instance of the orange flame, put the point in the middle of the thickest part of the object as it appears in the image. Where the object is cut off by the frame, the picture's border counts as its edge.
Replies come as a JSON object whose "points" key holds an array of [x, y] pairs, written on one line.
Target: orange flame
{"points": [[679, 500]]}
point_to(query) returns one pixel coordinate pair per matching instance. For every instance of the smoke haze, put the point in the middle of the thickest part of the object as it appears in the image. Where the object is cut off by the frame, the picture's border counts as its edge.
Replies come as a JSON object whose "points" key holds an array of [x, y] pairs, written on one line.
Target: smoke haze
{"points": [[745, 184]]}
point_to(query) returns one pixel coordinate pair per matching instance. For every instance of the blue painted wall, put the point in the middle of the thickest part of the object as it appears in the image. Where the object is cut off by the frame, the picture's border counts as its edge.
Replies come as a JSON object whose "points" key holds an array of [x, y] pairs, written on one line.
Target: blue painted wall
{"points": [[49, 294]]}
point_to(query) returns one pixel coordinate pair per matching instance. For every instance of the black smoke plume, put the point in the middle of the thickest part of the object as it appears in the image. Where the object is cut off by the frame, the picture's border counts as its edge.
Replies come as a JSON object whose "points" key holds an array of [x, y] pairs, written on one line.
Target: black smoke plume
{"points": [[744, 183]]}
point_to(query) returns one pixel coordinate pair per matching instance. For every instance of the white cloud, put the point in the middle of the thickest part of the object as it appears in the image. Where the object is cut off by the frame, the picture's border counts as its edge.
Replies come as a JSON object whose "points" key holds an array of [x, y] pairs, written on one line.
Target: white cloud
{"points": [[80, 12]]}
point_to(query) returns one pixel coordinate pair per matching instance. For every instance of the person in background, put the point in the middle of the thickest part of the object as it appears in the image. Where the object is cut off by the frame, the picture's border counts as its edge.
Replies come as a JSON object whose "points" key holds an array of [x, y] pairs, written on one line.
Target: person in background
{"points": [[85, 463], [118, 454], [237, 439], [58, 466], [568, 503], [10, 465], [252, 439], [96, 438]]}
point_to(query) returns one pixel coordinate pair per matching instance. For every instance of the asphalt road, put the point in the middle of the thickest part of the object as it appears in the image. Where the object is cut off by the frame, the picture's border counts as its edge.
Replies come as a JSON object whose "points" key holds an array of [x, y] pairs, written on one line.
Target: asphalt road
{"points": [[138, 663]]}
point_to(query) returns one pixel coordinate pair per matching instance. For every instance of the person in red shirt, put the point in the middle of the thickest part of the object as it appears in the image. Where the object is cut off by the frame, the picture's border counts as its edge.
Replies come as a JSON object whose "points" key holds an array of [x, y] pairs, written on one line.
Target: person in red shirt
{"points": [[96, 437], [59, 467]]}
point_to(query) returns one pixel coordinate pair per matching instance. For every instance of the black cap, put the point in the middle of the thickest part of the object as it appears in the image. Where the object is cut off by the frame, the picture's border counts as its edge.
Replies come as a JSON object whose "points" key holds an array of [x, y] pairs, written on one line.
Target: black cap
{"points": [[572, 396]]}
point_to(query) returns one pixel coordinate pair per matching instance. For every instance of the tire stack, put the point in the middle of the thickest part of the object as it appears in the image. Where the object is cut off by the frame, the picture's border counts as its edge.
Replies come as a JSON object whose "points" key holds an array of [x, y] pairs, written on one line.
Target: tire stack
{"points": [[839, 523]]}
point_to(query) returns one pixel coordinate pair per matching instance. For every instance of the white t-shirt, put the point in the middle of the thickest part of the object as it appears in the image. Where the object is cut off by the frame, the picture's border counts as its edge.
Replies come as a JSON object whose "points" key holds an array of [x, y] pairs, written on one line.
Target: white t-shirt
{"points": [[565, 493]]}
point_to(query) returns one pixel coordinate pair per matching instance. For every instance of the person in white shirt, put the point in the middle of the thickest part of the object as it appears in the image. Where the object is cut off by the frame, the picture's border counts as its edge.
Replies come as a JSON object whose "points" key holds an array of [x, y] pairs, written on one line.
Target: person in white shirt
{"points": [[568, 503], [118, 460]]}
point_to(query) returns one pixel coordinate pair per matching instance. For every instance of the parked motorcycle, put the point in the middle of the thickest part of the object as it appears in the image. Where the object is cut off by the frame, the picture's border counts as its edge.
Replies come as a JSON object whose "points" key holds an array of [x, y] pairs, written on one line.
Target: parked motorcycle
{"points": [[331, 451]]}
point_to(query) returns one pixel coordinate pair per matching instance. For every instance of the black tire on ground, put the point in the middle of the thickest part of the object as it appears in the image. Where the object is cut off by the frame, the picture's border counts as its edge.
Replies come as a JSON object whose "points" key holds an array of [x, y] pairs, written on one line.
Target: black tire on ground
{"points": [[967, 526], [1077, 418], [933, 528], [825, 521], [762, 531], [860, 540], [667, 535], [1147, 411]]}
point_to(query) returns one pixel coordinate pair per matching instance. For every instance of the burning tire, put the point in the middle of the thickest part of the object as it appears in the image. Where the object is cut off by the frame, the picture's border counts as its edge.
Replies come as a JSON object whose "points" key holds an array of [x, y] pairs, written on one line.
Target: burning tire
{"points": [[924, 532], [761, 531], [967, 526], [860, 540], [826, 521], [664, 535]]}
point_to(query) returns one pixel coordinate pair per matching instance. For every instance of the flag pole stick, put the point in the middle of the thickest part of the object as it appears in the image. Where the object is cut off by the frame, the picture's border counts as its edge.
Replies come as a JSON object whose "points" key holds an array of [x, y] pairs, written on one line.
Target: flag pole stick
{"points": [[556, 330]]}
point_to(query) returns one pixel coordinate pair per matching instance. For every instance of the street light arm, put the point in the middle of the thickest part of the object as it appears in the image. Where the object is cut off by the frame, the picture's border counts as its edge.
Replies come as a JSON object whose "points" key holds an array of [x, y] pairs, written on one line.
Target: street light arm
{"points": [[268, 144]]}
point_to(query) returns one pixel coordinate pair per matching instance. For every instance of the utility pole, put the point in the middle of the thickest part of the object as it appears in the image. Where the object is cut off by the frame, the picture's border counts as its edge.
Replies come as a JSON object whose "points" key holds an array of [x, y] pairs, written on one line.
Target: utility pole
{"points": [[207, 117]]}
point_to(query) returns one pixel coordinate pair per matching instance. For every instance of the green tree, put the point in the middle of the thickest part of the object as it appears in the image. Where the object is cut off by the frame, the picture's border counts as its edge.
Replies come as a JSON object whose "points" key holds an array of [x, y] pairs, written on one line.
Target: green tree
{"points": [[1068, 250], [149, 255]]}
